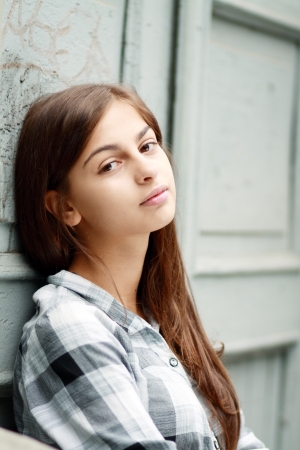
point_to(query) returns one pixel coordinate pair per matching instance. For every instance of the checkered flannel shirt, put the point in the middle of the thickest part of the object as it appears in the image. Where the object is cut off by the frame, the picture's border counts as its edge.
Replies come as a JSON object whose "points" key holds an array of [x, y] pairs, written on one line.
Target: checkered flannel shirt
{"points": [[91, 375]]}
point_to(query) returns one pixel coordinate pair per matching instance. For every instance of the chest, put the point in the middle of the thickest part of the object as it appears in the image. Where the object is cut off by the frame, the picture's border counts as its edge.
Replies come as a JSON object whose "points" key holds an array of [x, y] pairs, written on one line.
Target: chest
{"points": [[174, 405]]}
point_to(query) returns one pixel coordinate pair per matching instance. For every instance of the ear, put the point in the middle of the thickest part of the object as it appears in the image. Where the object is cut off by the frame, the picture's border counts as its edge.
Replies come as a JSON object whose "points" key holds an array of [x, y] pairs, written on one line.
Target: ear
{"points": [[71, 215]]}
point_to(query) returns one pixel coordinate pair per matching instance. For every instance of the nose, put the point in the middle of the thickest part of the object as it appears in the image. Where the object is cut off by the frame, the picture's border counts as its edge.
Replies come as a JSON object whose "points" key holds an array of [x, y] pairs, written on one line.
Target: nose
{"points": [[145, 169]]}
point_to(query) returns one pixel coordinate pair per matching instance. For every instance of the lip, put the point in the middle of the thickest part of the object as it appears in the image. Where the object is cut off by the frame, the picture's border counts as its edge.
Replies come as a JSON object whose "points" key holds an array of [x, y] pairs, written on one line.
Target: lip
{"points": [[156, 196]]}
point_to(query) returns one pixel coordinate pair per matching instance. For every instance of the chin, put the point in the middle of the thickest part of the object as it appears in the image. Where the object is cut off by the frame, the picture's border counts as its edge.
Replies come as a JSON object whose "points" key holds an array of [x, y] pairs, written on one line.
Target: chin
{"points": [[163, 223]]}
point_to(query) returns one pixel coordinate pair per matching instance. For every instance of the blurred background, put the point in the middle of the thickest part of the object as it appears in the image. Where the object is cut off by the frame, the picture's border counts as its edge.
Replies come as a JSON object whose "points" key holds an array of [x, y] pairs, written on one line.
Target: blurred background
{"points": [[222, 77]]}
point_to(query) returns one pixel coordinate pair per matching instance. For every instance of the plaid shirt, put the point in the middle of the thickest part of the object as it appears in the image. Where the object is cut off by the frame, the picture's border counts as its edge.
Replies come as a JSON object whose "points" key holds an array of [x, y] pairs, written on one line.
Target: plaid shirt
{"points": [[92, 375]]}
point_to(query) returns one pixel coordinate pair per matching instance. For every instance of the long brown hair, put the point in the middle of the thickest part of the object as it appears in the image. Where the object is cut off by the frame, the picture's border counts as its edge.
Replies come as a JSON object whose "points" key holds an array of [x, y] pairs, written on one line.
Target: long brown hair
{"points": [[55, 131]]}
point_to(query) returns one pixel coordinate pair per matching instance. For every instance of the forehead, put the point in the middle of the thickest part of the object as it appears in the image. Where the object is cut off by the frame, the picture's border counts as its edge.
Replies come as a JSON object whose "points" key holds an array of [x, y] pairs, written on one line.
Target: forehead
{"points": [[120, 124], [119, 118]]}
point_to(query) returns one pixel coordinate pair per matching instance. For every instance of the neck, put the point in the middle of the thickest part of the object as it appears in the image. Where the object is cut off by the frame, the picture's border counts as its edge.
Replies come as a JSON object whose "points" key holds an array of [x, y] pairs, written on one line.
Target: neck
{"points": [[116, 266]]}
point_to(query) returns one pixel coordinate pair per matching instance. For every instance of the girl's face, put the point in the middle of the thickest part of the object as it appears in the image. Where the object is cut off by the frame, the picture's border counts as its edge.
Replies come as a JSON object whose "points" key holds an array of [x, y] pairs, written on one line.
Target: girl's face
{"points": [[122, 184]]}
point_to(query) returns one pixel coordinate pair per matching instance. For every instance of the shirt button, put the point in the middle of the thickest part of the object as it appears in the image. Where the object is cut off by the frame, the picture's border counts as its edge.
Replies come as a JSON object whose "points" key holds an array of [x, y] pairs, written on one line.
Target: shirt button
{"points": [[173, 362]]}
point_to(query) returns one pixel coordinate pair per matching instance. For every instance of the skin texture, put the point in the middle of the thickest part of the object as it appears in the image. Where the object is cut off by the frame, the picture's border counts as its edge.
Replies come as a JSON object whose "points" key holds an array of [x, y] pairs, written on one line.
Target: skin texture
{"points": [[105, 203]]}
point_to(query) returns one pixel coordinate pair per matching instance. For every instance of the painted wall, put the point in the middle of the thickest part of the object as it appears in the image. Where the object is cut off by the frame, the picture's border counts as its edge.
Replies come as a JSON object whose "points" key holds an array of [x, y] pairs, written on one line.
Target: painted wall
{"points": [[46, 46], [40, 52]]}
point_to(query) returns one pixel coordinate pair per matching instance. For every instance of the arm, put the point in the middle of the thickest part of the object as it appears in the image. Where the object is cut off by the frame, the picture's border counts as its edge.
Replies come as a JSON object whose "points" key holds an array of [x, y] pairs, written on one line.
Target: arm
{"points": [[85, 396]]}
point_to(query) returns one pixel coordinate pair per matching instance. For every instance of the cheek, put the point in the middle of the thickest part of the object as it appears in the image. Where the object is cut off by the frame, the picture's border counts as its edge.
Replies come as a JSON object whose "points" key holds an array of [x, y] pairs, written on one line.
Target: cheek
{"points": [[99, 202], [85, 197], [170, 174]]}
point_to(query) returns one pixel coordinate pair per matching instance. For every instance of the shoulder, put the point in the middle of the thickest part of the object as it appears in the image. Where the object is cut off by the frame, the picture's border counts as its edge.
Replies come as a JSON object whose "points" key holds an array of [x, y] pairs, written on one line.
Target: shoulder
{"points": [[60, 306], [64, 319]]}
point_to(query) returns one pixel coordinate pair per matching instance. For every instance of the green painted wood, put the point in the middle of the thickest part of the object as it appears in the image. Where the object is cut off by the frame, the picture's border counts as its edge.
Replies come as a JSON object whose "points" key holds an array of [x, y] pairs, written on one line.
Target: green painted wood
{"points": [[259, 380], [271, 17], [291, 405], [148, 53], [194, 23], [287, 9], [235, 102], [246, 307], [245, 158], [291, 434]]}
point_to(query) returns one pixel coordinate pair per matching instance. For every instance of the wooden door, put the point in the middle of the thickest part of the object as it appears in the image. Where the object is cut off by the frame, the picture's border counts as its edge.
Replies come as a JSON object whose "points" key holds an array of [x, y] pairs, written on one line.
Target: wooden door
{"points": [[236, 144]]}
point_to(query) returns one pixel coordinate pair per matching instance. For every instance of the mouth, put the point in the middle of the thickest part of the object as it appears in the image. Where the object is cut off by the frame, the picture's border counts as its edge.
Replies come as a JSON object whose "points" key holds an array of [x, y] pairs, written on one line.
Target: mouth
{"points": [[156, 196]]}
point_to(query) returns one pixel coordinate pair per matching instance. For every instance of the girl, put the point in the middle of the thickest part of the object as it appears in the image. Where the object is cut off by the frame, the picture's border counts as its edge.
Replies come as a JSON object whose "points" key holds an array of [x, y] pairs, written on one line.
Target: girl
{"points": [[115, 357]]}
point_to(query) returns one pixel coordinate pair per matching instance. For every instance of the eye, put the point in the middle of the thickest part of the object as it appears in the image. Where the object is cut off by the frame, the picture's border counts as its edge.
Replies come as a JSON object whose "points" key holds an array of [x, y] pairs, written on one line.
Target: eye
{"points": [[148, 147], [110, 166]]}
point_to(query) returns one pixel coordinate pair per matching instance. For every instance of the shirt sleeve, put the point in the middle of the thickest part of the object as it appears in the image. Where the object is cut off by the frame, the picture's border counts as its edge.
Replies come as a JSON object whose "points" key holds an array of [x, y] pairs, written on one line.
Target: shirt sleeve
{"points": [[247, 439], [82, 392]]}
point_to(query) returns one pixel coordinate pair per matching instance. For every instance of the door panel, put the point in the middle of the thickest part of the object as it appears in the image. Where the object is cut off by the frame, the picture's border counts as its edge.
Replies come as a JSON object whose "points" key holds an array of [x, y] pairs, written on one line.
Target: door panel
{"points": [[237, 196], [260, 381], [244, 169], [148, 53], [284, 9]]}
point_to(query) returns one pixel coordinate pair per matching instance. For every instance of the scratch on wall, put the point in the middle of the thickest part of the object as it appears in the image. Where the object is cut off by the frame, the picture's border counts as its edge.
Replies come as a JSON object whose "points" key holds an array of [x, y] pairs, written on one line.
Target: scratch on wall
{"points": [[28, 31]]}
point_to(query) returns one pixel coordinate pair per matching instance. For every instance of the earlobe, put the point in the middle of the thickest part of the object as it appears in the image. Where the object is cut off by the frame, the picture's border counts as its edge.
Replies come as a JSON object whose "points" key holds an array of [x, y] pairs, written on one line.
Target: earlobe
{"points": [[71, 216]]}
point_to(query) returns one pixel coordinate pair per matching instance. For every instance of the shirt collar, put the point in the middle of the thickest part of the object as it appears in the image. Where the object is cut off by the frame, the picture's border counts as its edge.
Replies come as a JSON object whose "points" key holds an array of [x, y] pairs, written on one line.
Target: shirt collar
{"points": [[97, 296]]}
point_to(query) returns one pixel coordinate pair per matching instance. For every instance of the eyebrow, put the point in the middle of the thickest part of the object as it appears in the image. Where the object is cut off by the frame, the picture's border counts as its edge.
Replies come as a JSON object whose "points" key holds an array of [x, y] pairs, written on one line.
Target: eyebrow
{"points": [[115, 146]]}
